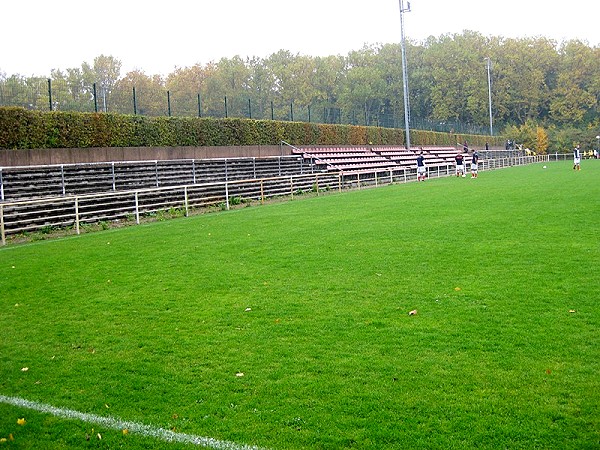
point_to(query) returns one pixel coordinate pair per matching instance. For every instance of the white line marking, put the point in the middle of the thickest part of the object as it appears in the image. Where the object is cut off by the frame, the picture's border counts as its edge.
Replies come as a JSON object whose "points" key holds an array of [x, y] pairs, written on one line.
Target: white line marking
{"points": [[132, 427]]}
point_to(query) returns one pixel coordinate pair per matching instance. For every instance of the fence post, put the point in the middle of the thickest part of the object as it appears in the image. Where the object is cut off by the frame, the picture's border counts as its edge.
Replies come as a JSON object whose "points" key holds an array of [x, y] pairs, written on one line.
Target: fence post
{"points": [[169, 102], [227, 196], [62, 176], [185, 199], [1, 186], [199, 106], [113, 176], [2, 225], [137, 209], [95, 98], [77, 214], [134, 103], [50, 93]]}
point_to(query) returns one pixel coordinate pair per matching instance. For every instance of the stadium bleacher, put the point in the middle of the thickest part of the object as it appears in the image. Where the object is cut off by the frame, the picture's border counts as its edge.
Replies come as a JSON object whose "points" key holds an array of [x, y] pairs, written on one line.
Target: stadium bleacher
{"points": [[346, 159], [18, 183]]}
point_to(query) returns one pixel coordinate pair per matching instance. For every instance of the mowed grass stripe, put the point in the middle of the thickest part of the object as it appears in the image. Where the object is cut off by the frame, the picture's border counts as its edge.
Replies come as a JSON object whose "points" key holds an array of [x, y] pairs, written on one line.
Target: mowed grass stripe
{"points": [[286, 326]]}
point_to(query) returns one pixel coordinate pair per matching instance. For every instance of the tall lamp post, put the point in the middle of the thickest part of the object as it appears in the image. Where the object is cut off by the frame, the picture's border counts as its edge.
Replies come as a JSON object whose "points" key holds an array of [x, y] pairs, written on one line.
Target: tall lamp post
{"points": [[489, 64], [404, 73]]}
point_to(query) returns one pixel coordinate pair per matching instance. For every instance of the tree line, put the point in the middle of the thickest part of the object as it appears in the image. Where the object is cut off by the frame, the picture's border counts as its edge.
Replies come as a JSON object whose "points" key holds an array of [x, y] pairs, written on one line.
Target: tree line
{"points": [[535, 82]]}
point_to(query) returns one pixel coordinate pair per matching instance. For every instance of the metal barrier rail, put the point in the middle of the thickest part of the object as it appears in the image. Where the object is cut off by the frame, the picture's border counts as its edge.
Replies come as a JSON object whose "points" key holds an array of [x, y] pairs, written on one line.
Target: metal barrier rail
{"points": [[75, 210]]}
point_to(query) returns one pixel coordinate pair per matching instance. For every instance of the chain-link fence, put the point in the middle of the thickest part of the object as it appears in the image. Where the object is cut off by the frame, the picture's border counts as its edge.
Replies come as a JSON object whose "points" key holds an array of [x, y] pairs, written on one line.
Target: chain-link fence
{"points": [[61, 95]]}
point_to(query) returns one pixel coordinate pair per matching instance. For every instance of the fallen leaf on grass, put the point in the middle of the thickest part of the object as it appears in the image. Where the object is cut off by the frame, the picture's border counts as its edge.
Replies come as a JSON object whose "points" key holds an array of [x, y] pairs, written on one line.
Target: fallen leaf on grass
{"points": [[125, 431], [457, 288], [412, 313], [21, 421], [24, 369], [239, 374], [572, 311], [248, 309]]}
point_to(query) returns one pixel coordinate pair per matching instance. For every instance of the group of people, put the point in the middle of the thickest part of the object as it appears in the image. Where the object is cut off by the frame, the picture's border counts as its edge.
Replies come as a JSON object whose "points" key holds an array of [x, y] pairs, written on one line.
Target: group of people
{"points": [[460, 164]]}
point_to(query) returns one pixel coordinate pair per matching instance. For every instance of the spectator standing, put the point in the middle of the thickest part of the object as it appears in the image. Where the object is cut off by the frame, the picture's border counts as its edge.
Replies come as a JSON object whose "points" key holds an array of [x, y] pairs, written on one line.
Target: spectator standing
{"points": [[421, 169], [474, 164]]}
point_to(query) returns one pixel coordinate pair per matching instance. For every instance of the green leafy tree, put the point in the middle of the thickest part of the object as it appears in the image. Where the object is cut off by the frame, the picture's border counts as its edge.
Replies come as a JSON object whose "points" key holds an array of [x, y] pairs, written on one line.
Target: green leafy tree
{"points": [[150, 94], [575, 98], [105, 72]]}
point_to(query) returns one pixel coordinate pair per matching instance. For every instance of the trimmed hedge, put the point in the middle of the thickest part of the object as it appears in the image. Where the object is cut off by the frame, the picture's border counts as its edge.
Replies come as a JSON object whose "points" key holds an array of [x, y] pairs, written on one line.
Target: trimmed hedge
{"points": [[25, 129]]}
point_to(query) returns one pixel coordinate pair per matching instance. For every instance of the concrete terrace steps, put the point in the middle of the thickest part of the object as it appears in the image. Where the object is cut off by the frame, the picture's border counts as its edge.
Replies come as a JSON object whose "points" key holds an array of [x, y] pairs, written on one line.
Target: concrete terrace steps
{"points": [[365, 158], [18, 183], [127, 206]]}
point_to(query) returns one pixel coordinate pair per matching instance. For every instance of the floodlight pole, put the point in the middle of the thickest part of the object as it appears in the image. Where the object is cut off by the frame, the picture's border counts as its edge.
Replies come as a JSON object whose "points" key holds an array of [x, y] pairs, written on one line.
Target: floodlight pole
{"points": [[489, 64], [404, 72]]}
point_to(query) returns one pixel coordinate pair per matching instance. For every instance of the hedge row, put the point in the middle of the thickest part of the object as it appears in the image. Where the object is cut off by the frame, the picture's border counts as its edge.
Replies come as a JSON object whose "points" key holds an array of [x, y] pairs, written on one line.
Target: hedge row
{"points": [[25, 129]]}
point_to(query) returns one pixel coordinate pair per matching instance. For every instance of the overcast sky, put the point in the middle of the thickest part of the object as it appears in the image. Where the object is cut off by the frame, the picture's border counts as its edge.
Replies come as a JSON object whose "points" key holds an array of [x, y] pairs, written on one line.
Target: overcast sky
{"points": [[155, 37]]}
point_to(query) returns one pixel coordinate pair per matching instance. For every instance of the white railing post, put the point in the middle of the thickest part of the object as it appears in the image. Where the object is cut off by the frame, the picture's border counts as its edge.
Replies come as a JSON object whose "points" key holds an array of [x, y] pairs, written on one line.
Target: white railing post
{"points": [[62, 176], [2, 225], [227, 196], [137, 209], [77, 214], [185, 200]]}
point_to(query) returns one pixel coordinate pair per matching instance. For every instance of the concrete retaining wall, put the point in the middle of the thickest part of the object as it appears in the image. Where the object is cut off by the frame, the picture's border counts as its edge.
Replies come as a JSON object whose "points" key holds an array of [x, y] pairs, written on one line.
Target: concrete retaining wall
{"points": [[46, 156]]}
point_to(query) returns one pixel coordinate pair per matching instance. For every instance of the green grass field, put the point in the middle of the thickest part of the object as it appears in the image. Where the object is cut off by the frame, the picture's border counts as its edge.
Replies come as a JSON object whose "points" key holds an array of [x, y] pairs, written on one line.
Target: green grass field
{"points": [[286, 326]]}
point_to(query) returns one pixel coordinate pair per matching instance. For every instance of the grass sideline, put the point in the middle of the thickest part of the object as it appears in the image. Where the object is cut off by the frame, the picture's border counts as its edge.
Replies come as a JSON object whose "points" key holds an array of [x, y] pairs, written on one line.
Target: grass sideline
{"points": [[286, 326]]}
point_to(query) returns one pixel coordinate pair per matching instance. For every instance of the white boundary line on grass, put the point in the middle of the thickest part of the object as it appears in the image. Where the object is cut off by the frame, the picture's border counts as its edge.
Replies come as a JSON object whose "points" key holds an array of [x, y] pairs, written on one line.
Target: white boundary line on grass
{"points": [[132, 427]]}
